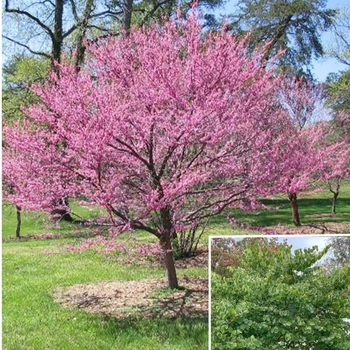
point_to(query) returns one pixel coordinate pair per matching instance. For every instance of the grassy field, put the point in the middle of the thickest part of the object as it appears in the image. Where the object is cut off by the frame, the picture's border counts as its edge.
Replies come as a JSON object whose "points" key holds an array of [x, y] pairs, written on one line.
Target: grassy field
{"points": [[33, 320], [313, 209]]}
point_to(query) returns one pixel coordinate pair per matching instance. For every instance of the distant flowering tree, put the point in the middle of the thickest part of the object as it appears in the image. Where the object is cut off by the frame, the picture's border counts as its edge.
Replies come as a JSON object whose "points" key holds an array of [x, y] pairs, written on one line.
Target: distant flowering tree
{"points": [[164, 127], [335, 142], [300, 161]]}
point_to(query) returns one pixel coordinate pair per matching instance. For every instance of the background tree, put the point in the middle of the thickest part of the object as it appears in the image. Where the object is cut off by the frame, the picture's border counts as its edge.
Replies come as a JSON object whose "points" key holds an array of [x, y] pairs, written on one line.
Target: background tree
{"points": [[226, 252], [50, 25], [340, 39], [338, 91], [338, 98], [300, 160], [18, 75], [339, 254], [160, 134], [54, 27], [338, 83], [280, 300], [291, 25], [336, 155]]}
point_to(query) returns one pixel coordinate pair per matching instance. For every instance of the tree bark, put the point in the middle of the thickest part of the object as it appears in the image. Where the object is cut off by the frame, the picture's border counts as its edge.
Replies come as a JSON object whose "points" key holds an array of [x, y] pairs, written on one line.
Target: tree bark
{"points": [[335, 192], [127, 12], [295, 210], [57, 39], [165, 242], [334, 202], [80, 49], [18, 227]]}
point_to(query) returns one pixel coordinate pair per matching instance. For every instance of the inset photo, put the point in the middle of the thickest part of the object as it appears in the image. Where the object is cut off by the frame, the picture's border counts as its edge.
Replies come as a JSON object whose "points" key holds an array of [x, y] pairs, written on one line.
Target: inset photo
{"points": [[282, 292]]}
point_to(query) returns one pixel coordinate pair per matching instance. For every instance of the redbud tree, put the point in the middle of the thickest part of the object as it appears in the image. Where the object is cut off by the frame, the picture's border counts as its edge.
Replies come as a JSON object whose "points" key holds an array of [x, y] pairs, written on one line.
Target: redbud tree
{"points": [[163, 127], [336, 160], [301, 157]]}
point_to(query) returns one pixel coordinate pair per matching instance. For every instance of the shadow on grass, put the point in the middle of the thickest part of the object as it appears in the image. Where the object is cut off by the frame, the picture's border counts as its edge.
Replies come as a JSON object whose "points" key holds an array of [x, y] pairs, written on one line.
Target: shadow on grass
{"points": [[44, 236], [278, 212], [192, 330]]}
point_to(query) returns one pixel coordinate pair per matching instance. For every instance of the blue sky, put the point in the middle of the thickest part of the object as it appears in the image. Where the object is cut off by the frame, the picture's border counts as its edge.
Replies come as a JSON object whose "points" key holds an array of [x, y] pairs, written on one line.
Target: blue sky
{"points": [[296, 241], [323, 66]]}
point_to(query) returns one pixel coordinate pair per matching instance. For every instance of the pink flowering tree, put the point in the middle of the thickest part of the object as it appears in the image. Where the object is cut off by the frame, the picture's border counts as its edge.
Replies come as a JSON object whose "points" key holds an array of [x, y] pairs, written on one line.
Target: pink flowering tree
{"points": [[163, 127], [29, 181], [300, 157], [335, 141]]}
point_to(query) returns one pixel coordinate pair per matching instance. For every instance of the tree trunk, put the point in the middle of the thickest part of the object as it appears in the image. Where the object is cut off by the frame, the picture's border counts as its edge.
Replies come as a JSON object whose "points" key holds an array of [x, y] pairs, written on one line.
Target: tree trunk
{"points": [[165, 242], [295, 211], [80, 47], [334, 202], [18, 227], [127, 12], [59, 213], [335, 192], [57, 37]]}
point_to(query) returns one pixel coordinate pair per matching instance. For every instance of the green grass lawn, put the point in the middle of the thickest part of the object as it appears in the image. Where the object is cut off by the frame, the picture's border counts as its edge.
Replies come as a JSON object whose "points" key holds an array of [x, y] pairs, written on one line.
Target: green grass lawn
{"points": [[40, 223], [313, 209], [33, 320]]}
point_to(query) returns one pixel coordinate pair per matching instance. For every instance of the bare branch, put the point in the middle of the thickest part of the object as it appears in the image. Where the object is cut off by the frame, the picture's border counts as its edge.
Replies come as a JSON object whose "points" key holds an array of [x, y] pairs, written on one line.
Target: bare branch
{"points": [[135, 224], [130, 150], [28, 48], [221, 204], [106, 13], [32, 17], [74, 10]]}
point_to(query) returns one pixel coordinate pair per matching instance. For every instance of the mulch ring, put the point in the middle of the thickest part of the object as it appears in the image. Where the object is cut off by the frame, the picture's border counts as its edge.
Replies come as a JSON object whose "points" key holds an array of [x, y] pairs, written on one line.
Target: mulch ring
{"points": [[142, 299]]}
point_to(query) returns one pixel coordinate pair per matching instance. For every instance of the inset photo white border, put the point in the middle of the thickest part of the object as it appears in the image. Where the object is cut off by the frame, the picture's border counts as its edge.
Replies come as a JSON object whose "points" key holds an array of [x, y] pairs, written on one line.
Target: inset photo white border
{"points": [[296, 241]]}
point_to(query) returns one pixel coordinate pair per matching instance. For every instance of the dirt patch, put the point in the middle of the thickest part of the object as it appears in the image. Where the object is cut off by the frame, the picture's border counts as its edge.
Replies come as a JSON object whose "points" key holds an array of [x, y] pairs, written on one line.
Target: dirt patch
{"points": [[143, 298], [198, 260], [327, 228]]}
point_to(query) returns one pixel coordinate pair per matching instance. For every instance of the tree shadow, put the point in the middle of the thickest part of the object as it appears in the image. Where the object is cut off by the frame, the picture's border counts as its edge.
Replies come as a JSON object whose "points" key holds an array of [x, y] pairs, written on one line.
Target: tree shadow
{"points": [[192, 330], [168, 319]]}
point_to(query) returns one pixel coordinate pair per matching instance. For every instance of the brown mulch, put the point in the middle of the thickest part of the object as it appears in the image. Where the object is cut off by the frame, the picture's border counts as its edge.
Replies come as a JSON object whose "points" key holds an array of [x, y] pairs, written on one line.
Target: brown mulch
{"points": [[327, 228], [143, 299]]}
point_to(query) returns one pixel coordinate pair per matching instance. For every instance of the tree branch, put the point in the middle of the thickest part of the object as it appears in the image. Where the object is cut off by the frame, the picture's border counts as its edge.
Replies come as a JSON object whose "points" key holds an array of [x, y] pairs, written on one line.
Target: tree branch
{"points": [[135, 224], [29, 15], [225, 203], [130, 150], [28, 48]]}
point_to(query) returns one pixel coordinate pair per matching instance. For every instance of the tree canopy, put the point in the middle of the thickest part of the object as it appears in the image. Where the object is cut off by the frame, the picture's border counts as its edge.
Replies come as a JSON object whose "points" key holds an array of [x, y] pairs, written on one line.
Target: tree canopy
{"points": [[338, 84], [18, 75], [293, 26]]}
